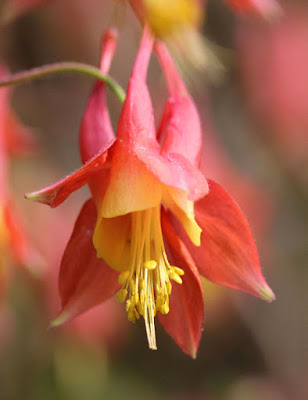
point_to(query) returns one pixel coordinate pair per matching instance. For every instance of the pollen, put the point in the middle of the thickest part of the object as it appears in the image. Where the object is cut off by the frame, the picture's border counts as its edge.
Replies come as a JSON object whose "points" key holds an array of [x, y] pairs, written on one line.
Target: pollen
{"points": [[146, 282]]}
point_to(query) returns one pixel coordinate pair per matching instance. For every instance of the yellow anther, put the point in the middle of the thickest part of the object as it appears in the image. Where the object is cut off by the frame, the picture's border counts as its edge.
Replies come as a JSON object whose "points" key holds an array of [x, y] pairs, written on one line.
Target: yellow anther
{"points": [[178, 271], [141, 283], [139, 308], [146, 282], [158, 289], [164, 309], [132, 301], [121, 295], [159, 301], [123, 277], [128, 305], [136, 314], [150, 265], [131, 316], [132, 284], [136, 297], [174, 276]]}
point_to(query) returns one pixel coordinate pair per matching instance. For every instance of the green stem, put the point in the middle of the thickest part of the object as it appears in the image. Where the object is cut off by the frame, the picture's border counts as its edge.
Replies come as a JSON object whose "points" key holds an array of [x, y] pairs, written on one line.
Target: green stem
{"points": [[75, 67]]}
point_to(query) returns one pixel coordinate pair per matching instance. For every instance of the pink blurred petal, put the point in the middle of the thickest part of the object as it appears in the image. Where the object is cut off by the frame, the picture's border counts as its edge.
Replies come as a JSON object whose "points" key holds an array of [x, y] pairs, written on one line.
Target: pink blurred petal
{"points": [[19, 139], [273, 63], [20, 241]]}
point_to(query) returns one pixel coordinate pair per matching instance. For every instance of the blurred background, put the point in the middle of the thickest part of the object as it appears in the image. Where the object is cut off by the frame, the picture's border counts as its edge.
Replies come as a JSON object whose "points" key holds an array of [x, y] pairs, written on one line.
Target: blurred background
{"points": [[254, 115]]}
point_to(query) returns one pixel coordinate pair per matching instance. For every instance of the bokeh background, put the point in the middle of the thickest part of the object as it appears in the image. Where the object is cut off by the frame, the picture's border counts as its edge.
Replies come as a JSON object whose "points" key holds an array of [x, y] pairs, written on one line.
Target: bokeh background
{"points": [[255, 122]]}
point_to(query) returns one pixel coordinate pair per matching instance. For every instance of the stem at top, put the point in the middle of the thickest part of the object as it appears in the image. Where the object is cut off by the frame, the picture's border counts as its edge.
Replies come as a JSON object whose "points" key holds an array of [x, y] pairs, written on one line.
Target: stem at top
{"points": [[73, 67]]}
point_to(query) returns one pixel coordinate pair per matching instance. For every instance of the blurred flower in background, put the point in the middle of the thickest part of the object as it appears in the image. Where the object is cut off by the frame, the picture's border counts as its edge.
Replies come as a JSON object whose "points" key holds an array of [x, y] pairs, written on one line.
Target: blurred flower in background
{"points": [[273, 62], [178, 23], [15, 242]]}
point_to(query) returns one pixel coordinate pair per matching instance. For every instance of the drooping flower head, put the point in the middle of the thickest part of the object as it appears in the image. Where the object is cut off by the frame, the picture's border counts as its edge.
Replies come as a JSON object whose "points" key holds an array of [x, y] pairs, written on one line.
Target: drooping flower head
{"points": [[145, 187]]}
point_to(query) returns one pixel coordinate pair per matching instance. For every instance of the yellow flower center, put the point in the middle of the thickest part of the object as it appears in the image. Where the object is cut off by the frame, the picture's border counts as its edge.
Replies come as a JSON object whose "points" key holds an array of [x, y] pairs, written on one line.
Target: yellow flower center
{"points": [[146, 283]]}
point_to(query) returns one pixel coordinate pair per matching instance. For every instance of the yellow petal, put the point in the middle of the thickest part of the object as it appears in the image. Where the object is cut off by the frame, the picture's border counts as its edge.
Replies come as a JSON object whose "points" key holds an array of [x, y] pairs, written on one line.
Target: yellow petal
{"points": [[112, 241], [131, 188], [177, 201]]}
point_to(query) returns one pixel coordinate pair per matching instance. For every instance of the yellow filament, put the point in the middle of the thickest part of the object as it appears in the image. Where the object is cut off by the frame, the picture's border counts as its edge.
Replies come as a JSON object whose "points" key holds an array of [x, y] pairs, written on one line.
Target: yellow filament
{"points": [[146, 282]]}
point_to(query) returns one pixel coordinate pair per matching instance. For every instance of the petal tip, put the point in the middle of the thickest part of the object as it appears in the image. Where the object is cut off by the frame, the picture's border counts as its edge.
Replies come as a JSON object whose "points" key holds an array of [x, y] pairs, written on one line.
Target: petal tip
{"points": [[41, 197], [59, 320], [266, 293], [193, 353]]}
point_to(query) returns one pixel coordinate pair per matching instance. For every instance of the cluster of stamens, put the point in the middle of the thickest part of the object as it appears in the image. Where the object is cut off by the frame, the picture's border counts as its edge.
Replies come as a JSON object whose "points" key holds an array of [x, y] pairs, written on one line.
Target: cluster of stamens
{"points": [[146, 283]]}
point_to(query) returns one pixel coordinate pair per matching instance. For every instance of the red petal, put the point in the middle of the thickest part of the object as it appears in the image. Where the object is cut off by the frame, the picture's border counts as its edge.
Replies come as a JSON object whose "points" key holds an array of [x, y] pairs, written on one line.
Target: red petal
{"points": [[55, 194], [228, 255], [180, 125], [185, 319], [96, 129], [136, 123], [84, 280]]}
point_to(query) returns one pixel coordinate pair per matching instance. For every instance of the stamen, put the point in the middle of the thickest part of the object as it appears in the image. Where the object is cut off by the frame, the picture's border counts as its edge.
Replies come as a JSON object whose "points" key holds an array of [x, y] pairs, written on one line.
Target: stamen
{"points": [[146, 282], [123, 277], [150, 265], [178, 270], [121, 295]]}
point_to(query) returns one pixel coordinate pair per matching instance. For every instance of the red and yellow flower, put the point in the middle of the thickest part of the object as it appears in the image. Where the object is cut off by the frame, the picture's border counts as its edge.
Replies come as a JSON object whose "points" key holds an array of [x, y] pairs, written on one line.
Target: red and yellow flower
{"points": [[154, 223]]}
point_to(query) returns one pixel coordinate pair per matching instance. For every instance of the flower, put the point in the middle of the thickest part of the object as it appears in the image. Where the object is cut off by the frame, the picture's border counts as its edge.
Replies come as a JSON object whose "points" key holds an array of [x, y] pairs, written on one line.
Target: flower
{"points": [[166, 19], [15, 244], [267, 9], [273, 68], [178, 23], [138, 236]]}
